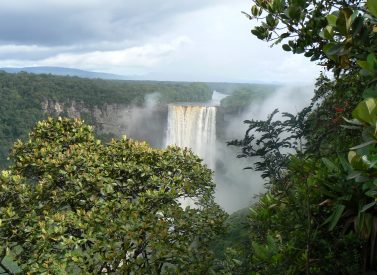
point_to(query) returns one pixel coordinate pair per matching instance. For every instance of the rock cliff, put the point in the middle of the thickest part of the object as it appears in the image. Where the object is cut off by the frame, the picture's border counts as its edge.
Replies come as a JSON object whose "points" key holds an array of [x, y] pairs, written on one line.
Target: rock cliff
{"points": [[136, 122]]}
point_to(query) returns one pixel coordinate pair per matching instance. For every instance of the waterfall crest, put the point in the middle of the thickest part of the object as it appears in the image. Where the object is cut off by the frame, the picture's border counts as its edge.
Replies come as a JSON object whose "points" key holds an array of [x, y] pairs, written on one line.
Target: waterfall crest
{"points": [[193, 126]]}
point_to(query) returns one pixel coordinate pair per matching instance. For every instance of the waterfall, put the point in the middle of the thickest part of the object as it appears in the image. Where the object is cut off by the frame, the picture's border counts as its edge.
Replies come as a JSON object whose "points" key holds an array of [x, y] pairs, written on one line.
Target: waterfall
{"points": [[193, 126]]}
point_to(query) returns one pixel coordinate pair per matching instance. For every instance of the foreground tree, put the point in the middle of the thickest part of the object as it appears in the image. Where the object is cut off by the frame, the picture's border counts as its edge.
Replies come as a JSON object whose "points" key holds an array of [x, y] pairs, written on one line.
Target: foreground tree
{"points": [[70, 204], [319, 214]]}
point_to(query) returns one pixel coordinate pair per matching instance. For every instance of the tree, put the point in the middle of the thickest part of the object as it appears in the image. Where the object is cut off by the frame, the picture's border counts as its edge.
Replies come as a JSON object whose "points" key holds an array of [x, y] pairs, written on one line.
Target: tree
{"points": [[269, 142], [74, 205], [329, 31], [323, 219]]}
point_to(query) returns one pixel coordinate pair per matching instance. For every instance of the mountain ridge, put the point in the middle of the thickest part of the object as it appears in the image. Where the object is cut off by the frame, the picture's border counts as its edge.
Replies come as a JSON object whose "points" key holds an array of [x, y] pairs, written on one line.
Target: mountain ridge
{"points": [[64, 71]]}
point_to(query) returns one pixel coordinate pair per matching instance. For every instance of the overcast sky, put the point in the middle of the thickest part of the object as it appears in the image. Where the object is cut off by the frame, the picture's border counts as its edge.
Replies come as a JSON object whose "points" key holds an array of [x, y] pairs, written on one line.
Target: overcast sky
{"points": [[191, 40]]}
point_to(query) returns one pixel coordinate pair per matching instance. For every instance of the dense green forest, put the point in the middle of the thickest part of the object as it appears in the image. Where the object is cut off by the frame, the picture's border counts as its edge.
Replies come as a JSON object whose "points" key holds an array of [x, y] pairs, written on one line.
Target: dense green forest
{"points": [[22, 95], [241, 98], [230, 88]]}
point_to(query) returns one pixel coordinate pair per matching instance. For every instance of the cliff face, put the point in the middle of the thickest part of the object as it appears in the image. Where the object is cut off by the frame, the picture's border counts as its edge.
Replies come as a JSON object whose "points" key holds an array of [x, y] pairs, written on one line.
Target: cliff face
{"points": [[139, 123], [106, 119]]}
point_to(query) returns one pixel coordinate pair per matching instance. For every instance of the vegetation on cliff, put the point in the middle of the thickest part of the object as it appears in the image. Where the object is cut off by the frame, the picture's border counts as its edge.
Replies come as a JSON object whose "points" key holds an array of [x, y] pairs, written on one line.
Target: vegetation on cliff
{"points": [[23, 94]]}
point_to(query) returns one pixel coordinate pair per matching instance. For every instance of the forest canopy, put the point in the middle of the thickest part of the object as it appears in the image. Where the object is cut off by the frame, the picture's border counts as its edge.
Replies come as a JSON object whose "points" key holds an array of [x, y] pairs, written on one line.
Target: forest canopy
{"points": [[72, 204]]}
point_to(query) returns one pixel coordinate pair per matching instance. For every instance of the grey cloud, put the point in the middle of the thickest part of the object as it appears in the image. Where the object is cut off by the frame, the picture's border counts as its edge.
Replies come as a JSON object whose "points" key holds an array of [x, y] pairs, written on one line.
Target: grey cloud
{"points": [[138, 37], [67, 22], [51, 27]]}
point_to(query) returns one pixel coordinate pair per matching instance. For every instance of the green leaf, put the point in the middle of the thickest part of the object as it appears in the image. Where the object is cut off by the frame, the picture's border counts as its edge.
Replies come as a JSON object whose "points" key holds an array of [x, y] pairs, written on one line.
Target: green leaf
{"points": [[299, 3], [237, 262], [260, 32], [334, 218], [371, 59], [299, 50], [294, 12], [366, 111], [278, 5], [372, 7], [286, 47], [353, 121], [308, 54], [326, 33], [254, 10], [328, 49], [330, 165], [367, 206], [344, 21], [357, 163], [353, 175], [285, 35], [365, 144], [370, 92], [270, 21], [331, 19], [335, 49], [365, 65], [345, 165], [357, 25]]}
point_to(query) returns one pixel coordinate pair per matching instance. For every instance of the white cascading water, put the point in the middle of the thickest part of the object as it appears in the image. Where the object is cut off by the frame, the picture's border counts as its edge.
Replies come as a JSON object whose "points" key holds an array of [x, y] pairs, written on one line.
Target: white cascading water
{"points": [[193, 126]]}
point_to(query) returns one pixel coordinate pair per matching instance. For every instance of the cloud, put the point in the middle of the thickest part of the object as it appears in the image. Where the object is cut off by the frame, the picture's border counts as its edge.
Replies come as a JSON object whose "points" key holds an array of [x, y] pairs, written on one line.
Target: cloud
{"points": [[196, 40], [66, 22], [223, 49], [136, 59], [29, 52], [145, 56]]}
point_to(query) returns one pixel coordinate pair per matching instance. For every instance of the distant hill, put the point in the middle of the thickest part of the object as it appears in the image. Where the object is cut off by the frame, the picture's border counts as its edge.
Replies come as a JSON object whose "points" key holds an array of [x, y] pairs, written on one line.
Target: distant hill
{"points": [[64, 72]]}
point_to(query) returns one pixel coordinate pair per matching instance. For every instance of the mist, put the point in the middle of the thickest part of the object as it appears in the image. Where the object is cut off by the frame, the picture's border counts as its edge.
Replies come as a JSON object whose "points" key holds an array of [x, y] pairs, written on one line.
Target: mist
{"points": [[237, 187], [146, 122]]}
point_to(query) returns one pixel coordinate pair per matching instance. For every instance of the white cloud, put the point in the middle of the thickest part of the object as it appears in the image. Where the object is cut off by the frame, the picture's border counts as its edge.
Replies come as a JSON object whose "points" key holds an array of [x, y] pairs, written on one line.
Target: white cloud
{"points": [[128, 60], [12, 48], [165, 40], [223, 49]]}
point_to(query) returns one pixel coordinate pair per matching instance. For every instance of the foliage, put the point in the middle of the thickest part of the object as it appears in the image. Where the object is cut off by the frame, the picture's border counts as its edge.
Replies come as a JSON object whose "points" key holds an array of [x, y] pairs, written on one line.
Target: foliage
{"points": [[22, 95], [71, 204], [230, 248], [331, 31], [288, 232], [335, 100], [319, 213], [270, 141]]}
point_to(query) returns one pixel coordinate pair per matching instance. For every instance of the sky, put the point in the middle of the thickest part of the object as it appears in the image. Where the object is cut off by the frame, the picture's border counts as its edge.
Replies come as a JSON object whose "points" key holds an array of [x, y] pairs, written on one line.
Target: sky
{"points": [[178, 40]]}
